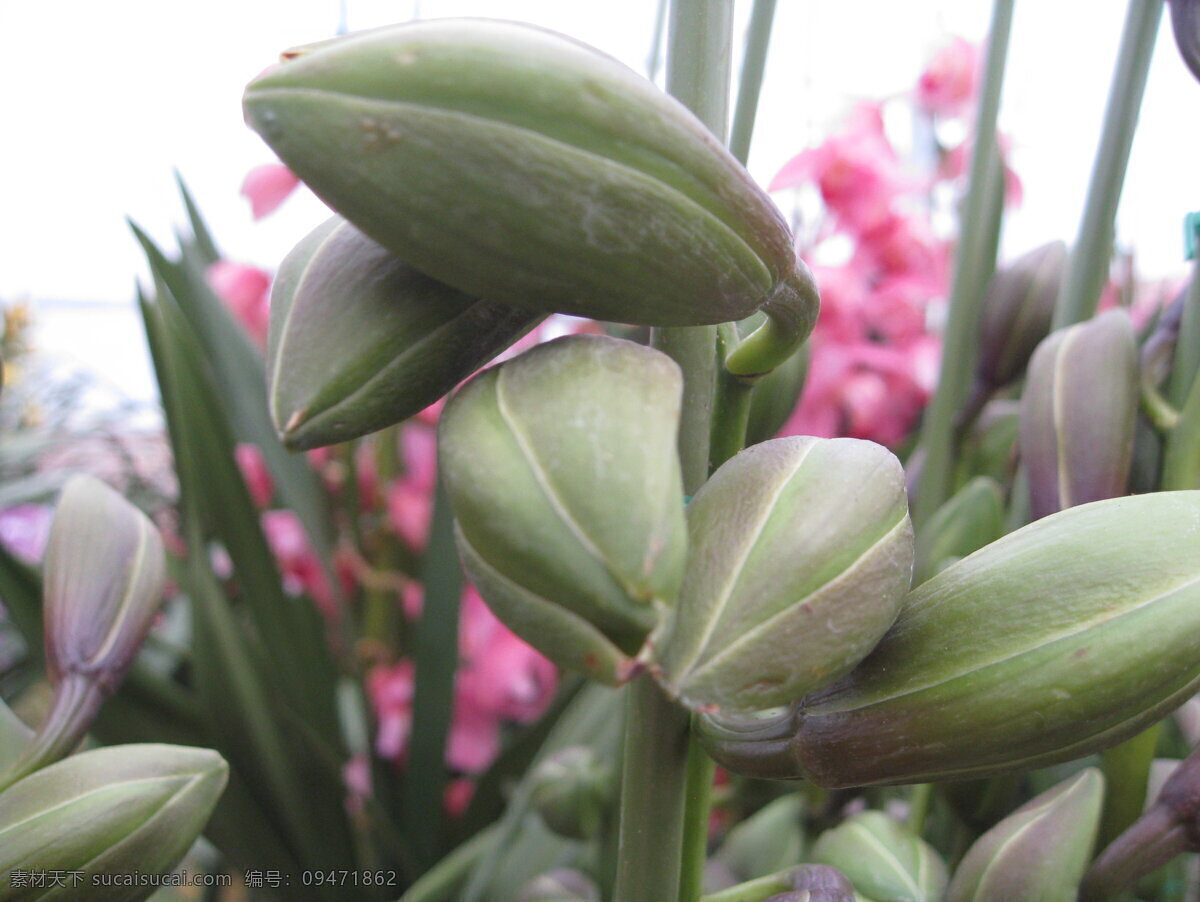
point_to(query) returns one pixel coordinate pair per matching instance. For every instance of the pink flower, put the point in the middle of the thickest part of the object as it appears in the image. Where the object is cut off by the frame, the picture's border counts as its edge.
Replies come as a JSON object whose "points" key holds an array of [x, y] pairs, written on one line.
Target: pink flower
{"points": [[256, 474], [298, 563], [950, 81], [857, 171], [410, 497], [245, 290], [25, 529], [268, 186]]}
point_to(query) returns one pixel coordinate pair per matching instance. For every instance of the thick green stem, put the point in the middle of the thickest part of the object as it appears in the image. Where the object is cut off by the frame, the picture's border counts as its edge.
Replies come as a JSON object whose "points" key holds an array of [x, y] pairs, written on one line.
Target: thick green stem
{"points": [[754, 63], [1087, 270], [1126, 773], [974, 263], [698, 791], [653, 786]]}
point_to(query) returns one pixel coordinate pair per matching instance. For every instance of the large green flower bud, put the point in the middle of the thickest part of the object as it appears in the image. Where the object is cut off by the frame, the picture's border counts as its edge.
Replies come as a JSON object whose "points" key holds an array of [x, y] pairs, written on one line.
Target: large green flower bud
{"points": [[1039, 852], [800, 551], [1017, 313], [883, 859], [104, 579], [104, 819], [524, 167], [1058, 640], [1078, 413], [562, 469], [360, 340]]}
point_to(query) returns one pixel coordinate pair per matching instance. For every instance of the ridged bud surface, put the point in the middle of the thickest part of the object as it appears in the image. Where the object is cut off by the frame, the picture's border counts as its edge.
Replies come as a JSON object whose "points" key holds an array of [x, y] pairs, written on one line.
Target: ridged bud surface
{"points": [[884, 860], [562, 470], [1078, 413], [529, 169], [800, 551], [360, 340], [1039, 852]]}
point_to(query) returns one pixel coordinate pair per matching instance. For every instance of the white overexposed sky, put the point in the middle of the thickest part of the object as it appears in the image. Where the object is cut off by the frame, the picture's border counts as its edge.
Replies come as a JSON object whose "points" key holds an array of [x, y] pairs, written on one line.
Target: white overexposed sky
{"points": [[103, 102]]}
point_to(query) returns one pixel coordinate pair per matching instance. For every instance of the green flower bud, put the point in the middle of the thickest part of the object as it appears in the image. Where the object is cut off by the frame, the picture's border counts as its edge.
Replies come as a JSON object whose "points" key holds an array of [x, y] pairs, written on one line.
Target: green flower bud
{"points": [[800, 554], [527, 168], [562, 470], [104, 578], [1075, 449], [961, 526], [571, 791], [1059, 640], [1039, 852], [360, 340], [768, 841], [883, 859], [114, 812], [1017, 312], [562, 885]]}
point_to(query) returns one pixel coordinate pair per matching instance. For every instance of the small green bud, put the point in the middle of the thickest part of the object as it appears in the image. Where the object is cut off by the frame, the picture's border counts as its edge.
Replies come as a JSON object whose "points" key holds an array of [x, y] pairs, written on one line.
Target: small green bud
{"points": [[524, 167], [562, 470], [1039, 852], [769, 840], [1017, 312], [1075, 448], [964, 524], [800, 553], [104, 575], [562, 885], [121, 811], [360, 340], [883, 859], [1059, 640], [571, 791]]}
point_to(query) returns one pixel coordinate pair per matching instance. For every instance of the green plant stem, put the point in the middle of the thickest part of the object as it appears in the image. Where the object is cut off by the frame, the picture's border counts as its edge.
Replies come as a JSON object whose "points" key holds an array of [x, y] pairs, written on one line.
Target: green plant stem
{"points": [[974, 263], [753, 890], [1087, 270], [1181, 460], [1126, 773], [698, 802], [654, 773], [918, 806], [754, 63], [1186, 361]]}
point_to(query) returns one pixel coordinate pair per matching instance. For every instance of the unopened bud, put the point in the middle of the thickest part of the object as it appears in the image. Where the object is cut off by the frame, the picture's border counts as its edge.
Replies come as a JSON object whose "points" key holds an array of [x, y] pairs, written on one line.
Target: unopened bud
{"points": [[1078, 413], [360, 340], [529, 169], [883, 859], [107, 814], [562, 885], [571, 790], [800, 553], [562, 469], [1040, 851]]}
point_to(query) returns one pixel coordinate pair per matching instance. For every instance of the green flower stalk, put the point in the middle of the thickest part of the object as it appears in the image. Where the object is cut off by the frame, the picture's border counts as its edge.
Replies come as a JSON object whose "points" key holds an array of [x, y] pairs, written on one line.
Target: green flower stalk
{"points": [[562, 472], [526, 168], [106, 819], [1075, 449], [800, 552], [1058, 640], [360, 340], [104, 579], [1039, 852], [884, 860]]}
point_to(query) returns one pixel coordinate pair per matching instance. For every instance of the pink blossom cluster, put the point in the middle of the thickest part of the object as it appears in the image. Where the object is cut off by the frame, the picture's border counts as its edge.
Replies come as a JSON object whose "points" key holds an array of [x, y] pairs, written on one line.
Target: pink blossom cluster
{"points": [[875, 350]]}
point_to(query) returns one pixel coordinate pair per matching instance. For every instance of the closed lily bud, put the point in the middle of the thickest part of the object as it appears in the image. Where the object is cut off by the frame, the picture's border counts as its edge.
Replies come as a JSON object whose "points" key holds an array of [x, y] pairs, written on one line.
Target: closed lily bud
{"points": [[1059, 640], [800, 552], [571, 790], [964, 524], [1017, 313], [1039, 852], [1078, 414], [767, 841], [1185, 22], [529, 169], [105, 816], [884, 860], [562, 470], [104, 575], [360, 340]]}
